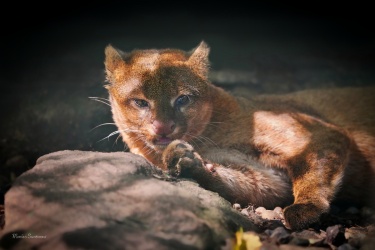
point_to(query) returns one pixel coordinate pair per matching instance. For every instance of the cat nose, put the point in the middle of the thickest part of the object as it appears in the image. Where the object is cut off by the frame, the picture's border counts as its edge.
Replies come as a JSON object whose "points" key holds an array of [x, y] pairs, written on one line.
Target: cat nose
{"points": [[163, 128]]}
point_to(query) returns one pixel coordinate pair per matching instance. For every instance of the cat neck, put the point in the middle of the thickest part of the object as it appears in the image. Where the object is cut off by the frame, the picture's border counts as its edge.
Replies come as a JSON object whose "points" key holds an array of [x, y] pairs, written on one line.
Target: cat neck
{"points": [[224, 105], [225, 109]]}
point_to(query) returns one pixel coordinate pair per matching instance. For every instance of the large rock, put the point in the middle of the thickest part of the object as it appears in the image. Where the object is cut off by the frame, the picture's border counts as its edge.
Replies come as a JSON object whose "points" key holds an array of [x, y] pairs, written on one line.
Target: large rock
{"points": [[96, 200]]}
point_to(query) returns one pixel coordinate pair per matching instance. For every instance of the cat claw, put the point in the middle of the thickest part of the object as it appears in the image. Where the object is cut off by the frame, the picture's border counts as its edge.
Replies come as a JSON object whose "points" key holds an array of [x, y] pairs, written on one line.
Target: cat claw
{"points": [[180, 159]]}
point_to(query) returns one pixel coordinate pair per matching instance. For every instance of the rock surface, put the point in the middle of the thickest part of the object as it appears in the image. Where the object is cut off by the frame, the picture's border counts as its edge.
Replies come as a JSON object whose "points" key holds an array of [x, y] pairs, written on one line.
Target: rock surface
{"points": [[96, 200]]}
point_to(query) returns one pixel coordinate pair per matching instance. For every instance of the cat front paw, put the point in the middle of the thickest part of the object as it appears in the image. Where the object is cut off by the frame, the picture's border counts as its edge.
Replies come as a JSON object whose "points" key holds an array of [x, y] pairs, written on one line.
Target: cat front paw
{"points": [[300, 216], [181, 160]]}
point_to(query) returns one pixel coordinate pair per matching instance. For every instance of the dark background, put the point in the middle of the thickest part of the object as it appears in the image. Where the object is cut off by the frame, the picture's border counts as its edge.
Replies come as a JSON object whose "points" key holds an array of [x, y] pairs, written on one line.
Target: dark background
{"points": [[52, 60]]}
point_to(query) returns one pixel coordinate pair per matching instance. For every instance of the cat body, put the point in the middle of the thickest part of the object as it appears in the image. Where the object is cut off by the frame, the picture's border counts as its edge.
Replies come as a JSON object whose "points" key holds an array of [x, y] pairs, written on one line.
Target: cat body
{"points": [[301, 151]]}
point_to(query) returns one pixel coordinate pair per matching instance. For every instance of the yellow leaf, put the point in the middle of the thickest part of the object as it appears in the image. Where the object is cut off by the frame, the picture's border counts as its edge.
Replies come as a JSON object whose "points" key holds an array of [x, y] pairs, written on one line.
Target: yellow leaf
{"points": [[247, 241]]}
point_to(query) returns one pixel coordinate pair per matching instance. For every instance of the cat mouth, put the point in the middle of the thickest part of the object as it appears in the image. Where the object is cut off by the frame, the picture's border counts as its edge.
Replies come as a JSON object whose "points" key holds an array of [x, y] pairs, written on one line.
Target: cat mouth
{"points": [[162, 141]]}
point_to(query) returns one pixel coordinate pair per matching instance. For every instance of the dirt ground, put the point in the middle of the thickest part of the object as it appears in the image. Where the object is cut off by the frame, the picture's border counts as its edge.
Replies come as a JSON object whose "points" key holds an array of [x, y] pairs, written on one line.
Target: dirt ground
{"points": [[52, 62]]}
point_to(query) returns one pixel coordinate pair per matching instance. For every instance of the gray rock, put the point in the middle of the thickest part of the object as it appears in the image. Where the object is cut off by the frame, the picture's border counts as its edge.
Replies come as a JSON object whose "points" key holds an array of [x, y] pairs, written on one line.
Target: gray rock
{"points": [[281, 235], [346, 246], [335, 235], [95, 200]]}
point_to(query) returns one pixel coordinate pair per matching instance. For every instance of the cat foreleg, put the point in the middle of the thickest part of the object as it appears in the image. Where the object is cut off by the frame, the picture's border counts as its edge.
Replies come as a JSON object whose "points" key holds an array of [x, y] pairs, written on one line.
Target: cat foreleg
{"points": [[238, 184]]}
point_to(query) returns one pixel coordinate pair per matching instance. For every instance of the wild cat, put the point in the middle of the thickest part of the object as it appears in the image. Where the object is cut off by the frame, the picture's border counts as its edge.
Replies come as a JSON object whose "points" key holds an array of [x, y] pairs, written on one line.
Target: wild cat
{"points": [[301, 151]]}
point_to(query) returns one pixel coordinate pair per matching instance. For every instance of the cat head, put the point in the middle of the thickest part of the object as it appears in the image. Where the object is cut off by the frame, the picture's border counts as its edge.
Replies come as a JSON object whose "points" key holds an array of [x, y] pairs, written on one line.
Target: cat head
{"points": [[158, 95]]}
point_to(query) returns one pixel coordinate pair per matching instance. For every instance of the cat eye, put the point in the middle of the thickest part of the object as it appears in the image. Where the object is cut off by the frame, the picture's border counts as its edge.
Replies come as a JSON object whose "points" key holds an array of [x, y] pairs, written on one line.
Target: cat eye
{"points": [[141, 103], [182, 100]]}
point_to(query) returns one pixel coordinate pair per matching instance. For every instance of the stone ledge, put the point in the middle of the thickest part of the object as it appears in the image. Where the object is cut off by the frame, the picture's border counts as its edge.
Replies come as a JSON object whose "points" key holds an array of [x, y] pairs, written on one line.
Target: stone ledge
{"points": [[96, 200]]}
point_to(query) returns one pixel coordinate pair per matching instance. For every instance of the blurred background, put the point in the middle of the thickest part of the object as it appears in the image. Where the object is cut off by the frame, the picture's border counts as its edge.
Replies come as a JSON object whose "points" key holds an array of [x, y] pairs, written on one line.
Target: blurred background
{"points": [[52, 60]]}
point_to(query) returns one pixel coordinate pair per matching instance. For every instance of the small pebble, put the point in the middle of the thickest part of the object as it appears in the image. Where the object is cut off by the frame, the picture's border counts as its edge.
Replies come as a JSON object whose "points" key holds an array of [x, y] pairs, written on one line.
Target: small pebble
{"points": [[299, 242], [269, 215], [281, 235], [259, 210], [237, 206], [245, 212], [335, 235], [278, 210], [346, 246]]}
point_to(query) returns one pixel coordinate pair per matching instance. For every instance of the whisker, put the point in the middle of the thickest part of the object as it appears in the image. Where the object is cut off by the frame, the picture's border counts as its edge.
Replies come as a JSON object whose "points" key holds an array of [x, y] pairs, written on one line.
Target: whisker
{"points": [[216, 122], [201, 138], [108, 123], [117, 138], [217, 112], [213, 124], [102, 100], [117, 132], [197, 138], [139, 137], [111, 134], [195, 144], [209, 140], [99, 98], [148, 150]]}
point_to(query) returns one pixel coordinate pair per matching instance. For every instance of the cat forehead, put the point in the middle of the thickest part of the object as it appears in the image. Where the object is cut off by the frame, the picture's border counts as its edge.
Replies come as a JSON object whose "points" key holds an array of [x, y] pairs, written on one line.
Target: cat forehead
{"points": [[155, 90], [150, 60]]}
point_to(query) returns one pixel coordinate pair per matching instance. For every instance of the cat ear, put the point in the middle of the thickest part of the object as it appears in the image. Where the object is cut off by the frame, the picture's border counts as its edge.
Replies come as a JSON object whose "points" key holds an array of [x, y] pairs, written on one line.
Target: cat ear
{"points": [[113, 59], [199, 59]]}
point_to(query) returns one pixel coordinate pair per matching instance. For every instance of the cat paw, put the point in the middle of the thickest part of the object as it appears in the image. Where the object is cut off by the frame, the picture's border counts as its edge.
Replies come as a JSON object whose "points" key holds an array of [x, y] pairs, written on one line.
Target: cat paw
{"points": [[300, 216], [180, 159]]}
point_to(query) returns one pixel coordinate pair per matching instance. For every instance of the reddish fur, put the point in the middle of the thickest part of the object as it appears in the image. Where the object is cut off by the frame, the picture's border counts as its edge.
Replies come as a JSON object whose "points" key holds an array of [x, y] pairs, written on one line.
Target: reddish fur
{"points": [[323, 141]]}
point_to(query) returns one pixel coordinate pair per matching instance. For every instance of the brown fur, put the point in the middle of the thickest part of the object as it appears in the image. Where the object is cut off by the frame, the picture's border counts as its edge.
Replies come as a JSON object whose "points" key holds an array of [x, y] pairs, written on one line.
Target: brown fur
{"points": [[305, 149]]}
